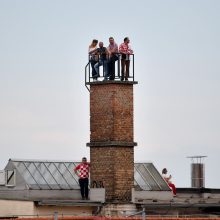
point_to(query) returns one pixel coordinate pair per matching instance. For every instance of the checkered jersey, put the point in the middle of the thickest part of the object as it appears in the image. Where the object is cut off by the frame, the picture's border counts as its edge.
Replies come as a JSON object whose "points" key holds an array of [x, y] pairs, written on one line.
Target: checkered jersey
{"points": [[125, 49], [83, 170]]}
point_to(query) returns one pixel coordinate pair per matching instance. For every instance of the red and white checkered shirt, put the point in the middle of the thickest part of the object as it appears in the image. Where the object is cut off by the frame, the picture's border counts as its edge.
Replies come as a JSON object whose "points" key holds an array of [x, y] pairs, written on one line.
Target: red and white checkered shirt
{"points": [[83, 170], [125, 49]]}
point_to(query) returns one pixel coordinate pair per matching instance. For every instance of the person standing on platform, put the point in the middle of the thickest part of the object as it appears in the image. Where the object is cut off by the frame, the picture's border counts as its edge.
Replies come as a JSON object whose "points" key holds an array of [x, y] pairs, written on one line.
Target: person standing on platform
{"points": [[113, 56], [83, 175], [93, 58], [126, 51], [168, 180], [103, 55]]}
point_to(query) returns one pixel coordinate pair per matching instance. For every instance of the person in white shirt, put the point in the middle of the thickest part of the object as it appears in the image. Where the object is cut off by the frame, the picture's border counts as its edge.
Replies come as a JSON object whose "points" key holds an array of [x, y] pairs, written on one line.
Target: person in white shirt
{"points": [[113, 56], [93, 58], [167, 178]]}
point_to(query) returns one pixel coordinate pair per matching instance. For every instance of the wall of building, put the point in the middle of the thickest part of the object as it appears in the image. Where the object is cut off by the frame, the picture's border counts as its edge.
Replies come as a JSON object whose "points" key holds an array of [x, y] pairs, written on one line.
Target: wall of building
{"points": [[28, 208], [12, 207], [64, 210]]}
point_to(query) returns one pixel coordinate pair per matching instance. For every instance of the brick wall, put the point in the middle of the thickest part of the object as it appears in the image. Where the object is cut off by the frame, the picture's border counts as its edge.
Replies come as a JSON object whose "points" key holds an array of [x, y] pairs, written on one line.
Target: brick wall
{"points": [[111, 121], [111, 112], [114, 166]]}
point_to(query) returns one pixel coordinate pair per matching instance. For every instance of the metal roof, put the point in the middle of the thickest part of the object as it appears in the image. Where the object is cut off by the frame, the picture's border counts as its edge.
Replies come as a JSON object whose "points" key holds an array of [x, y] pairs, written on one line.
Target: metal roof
{"points": [[59, 175], [147, 177], [47, 174]]}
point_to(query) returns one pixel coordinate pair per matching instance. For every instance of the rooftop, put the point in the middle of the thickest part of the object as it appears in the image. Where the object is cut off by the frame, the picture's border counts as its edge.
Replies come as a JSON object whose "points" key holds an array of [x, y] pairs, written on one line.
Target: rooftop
{"points": [[32, 179]]}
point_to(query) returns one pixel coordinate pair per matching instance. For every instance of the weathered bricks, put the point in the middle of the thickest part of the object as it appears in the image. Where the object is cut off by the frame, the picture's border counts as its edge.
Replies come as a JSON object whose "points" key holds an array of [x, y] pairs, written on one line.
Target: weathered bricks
{"points": [[113, 166], [111, 112], [111, 121]]}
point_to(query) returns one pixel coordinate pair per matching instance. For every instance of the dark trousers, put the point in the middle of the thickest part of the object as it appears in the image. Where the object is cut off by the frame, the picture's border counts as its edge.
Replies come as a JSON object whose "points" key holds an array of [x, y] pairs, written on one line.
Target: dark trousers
{"points": [[83, 183], [125, 64], [94, 74], [111, 66]]}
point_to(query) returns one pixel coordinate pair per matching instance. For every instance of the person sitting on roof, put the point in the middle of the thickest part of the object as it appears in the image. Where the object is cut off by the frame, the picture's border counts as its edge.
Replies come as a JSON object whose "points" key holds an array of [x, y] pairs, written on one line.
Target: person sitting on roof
{"points": [[167, 179]]}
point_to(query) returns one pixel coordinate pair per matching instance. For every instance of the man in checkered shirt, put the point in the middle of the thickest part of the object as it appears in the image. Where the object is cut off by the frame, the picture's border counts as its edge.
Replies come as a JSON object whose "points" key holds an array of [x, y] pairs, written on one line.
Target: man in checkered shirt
{"points": [[126, 51], [83, 175]]}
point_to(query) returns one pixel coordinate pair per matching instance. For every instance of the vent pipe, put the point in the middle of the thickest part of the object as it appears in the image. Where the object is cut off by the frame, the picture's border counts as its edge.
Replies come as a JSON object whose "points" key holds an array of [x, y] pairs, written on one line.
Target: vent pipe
{"points": [[197, 171]]}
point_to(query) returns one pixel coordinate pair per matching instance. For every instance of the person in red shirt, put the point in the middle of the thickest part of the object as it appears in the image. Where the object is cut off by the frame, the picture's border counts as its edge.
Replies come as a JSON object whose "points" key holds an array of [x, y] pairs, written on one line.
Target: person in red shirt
{"points": [[125, 51], [83, 175]]}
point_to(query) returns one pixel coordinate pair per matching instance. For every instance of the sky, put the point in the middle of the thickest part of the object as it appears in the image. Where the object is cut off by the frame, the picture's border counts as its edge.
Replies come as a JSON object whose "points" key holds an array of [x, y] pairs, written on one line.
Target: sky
{"points": [[44, 105]]}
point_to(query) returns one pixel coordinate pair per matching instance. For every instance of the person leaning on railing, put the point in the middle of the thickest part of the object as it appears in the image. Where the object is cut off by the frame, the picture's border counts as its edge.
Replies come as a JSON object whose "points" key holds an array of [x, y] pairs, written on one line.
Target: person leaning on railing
{"points": [[126, 51], [93, 57], [103, 55]]}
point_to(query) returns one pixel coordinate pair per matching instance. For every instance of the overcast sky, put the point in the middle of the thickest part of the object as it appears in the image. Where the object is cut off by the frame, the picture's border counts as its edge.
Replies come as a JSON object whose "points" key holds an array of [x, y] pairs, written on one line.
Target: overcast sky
{"points": [[44, 105]]}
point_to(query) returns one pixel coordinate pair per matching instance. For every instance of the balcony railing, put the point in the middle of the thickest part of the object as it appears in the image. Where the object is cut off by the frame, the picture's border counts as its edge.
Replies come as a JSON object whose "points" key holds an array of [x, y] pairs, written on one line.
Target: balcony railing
{"points": [[88, 70]]}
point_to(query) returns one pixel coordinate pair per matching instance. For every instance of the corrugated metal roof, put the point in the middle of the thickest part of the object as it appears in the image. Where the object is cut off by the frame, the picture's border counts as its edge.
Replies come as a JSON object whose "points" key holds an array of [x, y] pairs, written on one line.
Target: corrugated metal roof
{"points": [[59, 175]]}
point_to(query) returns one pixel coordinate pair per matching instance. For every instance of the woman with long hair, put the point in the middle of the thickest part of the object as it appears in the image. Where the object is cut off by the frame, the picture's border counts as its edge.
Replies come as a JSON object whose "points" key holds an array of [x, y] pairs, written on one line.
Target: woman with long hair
{"points": [[167, 179], [93, 57]]}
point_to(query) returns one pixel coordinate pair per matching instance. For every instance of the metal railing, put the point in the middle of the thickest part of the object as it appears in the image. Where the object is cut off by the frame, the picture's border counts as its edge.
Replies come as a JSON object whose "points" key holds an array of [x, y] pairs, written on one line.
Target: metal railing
{"points": [[88, 69]]}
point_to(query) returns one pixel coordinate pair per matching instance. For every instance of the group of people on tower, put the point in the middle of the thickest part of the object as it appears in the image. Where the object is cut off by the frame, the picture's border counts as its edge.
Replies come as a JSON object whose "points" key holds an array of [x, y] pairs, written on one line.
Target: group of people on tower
{"points": [[107, 56]]}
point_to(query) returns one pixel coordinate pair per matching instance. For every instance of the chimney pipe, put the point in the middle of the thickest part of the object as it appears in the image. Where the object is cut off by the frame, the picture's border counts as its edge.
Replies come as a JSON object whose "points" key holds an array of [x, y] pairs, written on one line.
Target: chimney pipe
{"points": [[197, 172]]}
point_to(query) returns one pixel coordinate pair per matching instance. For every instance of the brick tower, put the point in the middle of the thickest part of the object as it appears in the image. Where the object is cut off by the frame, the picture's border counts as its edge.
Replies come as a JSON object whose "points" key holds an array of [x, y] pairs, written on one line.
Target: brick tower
{"points": [[111, 138]]}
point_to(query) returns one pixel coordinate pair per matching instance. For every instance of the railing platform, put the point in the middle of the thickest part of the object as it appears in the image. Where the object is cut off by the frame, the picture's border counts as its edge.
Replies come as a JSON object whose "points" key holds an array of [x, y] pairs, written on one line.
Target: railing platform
{"points": [[117, 79]]}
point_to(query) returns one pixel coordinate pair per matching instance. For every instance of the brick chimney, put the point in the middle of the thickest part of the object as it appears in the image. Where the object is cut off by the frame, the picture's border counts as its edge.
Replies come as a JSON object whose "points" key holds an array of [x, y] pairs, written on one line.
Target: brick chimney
{"points": [[112, 137]]}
